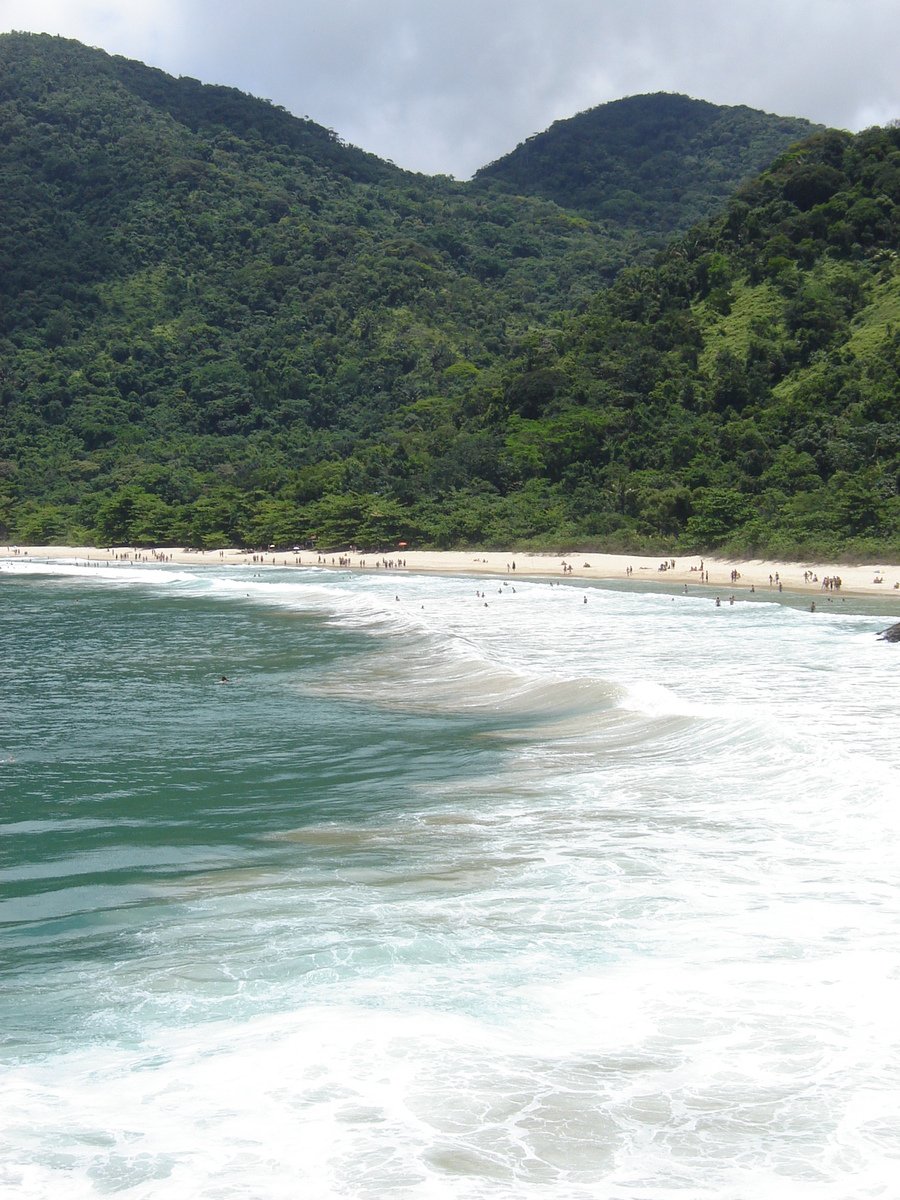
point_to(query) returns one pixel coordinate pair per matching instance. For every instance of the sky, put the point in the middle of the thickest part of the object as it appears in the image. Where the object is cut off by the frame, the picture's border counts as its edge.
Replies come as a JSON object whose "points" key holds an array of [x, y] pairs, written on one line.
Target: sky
{"points": [[446, 86]]}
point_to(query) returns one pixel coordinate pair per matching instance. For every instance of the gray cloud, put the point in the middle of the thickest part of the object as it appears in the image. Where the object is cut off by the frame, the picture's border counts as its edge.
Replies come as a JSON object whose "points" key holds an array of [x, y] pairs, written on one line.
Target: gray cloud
{"points": [[448, 85]]}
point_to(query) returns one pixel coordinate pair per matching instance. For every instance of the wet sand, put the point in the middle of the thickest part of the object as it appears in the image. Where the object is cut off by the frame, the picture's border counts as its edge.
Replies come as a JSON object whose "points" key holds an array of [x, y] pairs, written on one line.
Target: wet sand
{"points": [[762, 575]]}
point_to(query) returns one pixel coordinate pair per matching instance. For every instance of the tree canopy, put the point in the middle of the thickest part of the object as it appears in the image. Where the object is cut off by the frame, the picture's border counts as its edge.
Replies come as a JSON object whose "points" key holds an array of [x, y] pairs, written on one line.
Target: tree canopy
{"points": [[219, 323]]}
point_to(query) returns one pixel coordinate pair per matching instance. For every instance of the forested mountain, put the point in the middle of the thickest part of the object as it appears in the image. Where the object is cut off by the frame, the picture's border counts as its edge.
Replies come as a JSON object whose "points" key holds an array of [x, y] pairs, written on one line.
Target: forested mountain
{"points": [[221, 324], [201, 295], [744, 392], [657, 163]]}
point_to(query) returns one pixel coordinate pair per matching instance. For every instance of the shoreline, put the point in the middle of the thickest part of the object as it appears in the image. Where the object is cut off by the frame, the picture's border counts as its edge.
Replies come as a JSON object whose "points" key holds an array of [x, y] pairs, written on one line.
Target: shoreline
{"points": [[758, 575]]}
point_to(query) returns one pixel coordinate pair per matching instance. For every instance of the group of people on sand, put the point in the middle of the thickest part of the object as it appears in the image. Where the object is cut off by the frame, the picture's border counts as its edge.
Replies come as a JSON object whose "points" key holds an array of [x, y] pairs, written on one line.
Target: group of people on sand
{"points": [[343, 560], [140, 556]]}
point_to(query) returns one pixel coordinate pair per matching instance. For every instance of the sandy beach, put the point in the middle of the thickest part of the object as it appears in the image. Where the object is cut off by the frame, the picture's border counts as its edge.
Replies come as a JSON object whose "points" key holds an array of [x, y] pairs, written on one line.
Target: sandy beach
{"points": [[760, 575]]}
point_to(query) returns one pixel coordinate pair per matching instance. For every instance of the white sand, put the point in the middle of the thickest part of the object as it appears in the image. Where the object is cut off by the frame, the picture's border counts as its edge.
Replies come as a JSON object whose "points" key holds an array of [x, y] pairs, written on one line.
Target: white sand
{"points": [[876, 579]]}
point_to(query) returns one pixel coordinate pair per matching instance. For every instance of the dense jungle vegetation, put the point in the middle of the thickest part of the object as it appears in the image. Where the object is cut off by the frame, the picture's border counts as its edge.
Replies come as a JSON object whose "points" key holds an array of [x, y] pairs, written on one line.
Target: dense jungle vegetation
{"points": [[220, 324], [657, 163]]}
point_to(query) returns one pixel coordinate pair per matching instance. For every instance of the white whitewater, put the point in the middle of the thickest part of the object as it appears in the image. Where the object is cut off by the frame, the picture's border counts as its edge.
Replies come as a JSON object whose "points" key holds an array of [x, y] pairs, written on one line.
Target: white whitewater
{"points": [[649, 950]]}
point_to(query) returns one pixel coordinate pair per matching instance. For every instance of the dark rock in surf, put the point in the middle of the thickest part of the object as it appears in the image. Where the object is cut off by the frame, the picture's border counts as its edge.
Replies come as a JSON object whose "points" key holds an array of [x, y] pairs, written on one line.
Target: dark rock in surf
{"points": [[890, 635]]}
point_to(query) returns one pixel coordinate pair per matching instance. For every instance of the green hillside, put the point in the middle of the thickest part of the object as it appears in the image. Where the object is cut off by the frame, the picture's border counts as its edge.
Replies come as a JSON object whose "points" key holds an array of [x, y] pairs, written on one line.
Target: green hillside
{"points": [[196, 287], [218, 323], [745, 392], [657, 163]]}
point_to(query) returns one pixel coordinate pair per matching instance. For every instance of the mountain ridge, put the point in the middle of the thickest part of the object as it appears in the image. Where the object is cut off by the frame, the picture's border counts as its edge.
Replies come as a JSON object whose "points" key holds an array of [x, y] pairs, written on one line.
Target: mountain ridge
{"points": [[196, 104], [219, 324], [667, 159]]}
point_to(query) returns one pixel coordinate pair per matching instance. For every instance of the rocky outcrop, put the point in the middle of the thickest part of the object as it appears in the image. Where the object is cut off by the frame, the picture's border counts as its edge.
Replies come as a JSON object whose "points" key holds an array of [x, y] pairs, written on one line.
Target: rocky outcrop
{"points": [[892, 634]]}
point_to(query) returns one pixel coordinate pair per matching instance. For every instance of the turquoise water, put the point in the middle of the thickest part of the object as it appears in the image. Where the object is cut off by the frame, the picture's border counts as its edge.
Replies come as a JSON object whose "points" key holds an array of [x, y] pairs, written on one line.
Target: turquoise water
{"points": [[439, 899]]}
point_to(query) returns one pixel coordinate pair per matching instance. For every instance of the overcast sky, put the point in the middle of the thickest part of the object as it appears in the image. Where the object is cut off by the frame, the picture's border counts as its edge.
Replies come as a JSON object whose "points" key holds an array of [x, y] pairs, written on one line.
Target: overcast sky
{"points": [[445, 86]]}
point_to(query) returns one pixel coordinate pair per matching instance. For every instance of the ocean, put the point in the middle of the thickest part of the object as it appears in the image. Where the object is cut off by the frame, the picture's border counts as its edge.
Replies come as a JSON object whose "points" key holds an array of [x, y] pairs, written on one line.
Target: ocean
{"points": [[442, 895]]}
